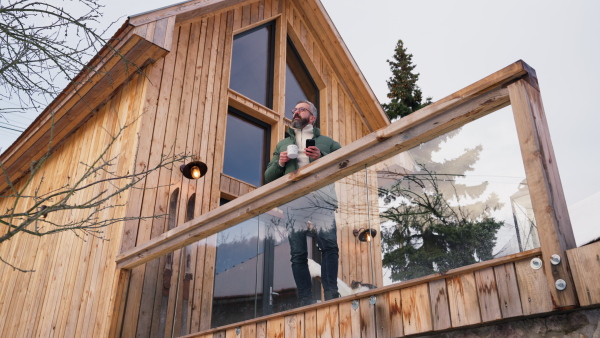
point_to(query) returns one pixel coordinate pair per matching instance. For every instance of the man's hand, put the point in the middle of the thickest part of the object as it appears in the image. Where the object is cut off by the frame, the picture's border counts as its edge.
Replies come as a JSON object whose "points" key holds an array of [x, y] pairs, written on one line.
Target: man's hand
{"points": [[312, 152], [283, 158]]}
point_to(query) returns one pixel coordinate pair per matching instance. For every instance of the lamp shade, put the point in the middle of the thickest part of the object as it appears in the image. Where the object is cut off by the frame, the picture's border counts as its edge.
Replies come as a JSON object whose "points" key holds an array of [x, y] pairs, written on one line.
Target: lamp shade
{"points": [[194, 170], [365, 235]]}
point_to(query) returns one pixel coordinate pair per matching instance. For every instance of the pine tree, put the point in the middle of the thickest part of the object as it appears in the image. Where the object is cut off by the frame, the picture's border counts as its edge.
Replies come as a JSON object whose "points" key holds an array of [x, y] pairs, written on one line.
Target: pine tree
{"points": [[405, 95], [432, 222]]}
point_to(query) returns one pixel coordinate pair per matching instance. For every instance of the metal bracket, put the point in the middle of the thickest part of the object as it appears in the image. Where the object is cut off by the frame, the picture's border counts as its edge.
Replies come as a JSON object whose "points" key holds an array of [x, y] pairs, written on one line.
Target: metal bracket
{"points": [[372, 300], [354, 304]]}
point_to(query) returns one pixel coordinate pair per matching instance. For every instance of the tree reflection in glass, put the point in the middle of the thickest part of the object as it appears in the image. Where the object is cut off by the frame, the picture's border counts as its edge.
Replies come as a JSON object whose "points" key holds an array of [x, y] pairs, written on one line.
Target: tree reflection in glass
{"points": [[455, 200]]}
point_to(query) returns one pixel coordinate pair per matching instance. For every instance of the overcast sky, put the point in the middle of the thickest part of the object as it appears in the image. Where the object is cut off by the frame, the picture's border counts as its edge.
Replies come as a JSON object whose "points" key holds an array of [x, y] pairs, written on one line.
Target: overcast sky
{"points": [[455, 43]]}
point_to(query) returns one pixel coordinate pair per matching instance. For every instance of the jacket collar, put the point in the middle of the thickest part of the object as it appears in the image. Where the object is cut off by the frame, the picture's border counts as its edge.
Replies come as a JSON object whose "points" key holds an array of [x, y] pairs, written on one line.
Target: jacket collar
{"points": [[292, 134]]}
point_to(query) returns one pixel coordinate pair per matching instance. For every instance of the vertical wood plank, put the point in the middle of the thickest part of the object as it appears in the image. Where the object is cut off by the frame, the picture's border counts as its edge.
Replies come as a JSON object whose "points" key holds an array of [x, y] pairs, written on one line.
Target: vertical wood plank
{"points": [[246, 15], [254, 12], [248, 331], [268, 8], [439, 305], [310, 323], [367, 318], [142, 286], [547, 196], [462, 298], [261, 330], [383, 318], [294, 326], [416, 311], [345, 318], [487, 292], [395, 314], [533, 288], [328, 322], [276, 328], [585, 264], [508, 290]]}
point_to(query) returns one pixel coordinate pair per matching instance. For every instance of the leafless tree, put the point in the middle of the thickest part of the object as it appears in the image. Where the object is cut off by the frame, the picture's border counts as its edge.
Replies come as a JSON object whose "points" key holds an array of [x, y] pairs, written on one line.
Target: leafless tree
{"points": [[43, 213], [43, 46]]}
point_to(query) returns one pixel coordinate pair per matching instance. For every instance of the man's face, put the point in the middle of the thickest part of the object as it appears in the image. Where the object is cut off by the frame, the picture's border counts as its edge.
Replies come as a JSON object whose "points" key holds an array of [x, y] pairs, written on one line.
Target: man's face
{"points": [[302, 116]]}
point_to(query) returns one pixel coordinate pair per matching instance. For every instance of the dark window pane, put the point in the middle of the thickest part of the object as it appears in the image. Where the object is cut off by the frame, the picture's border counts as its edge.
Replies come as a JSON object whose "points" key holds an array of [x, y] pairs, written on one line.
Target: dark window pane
{"points": [[237, 264], [252, 64], [298, 83], [245, 150]]}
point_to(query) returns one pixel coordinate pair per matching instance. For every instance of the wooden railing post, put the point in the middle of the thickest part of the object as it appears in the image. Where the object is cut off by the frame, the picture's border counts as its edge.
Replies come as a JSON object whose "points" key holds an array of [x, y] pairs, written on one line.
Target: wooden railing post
{"points": [[547, 197]]}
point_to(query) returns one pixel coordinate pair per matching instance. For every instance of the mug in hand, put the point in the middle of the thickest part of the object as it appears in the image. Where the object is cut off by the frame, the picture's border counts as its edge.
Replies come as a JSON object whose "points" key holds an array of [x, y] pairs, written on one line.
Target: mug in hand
{"points": [[292, 151]]}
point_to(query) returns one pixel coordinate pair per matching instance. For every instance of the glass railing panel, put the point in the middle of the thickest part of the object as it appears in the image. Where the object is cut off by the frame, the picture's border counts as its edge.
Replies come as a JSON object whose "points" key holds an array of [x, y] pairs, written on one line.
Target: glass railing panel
{"points": [[455, 200]]}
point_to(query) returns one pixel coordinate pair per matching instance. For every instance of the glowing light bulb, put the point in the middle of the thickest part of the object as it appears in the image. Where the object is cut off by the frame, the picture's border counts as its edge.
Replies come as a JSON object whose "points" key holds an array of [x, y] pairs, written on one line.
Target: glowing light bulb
{"points": [[368, 237], [195, 172]]}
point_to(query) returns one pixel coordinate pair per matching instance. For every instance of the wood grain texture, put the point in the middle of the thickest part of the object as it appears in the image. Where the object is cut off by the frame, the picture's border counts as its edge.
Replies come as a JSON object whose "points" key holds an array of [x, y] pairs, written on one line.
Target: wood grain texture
{"points": [[585, 264], [416, 309], [395, 314], [547, 196], [487, 294], [462, 299], [345, 319], [508, 290], [367, 318], [276, 328], [533, 288], [440, 310], [383, 318], [294, 326]]}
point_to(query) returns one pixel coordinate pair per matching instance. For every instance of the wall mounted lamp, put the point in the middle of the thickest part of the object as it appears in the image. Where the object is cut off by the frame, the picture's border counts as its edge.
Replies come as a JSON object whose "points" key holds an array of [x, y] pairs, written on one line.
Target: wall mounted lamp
{"points": [[364, 235], [193, 170]]}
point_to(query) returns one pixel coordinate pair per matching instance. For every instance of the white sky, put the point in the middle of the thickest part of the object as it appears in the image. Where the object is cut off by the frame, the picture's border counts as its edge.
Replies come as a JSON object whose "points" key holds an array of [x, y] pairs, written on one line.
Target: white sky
{"points": [[455, 43]]}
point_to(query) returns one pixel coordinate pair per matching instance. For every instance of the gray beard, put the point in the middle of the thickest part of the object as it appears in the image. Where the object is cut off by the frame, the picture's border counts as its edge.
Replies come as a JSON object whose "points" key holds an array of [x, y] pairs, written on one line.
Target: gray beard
{"points": [[300, 123]]}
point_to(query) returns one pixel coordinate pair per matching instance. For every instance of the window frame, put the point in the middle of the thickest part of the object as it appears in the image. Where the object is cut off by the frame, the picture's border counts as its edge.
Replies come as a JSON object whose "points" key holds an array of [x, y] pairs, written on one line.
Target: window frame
{"points": [[272, 41], [266, 140]]}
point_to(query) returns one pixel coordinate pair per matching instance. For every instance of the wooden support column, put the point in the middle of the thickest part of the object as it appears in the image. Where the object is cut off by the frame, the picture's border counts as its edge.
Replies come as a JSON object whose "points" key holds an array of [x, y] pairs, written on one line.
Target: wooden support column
{"points": [[547, 197]]}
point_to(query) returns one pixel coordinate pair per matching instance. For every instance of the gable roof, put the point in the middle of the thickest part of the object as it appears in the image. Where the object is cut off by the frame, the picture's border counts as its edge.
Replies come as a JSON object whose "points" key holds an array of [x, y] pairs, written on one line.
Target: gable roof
{"points": [[141, 40]]}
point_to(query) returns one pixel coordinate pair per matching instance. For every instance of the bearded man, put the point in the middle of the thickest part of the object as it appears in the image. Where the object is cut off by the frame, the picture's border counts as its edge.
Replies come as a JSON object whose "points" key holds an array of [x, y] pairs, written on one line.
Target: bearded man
{"points": [[305, 115]]}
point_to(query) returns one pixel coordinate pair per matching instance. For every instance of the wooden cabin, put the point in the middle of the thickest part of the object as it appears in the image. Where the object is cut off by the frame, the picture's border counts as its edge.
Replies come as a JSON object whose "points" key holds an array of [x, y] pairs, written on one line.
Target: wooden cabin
{"points": [[218, 80]]}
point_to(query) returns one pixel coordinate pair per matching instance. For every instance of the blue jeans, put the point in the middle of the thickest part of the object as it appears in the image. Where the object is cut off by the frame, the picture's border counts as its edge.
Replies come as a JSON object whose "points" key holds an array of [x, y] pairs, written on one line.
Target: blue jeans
{"points": [[327, 242]]}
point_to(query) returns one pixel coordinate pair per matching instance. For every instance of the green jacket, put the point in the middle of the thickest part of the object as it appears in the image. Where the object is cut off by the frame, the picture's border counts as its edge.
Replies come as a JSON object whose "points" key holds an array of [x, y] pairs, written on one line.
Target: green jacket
{"points": [[274, 171]]}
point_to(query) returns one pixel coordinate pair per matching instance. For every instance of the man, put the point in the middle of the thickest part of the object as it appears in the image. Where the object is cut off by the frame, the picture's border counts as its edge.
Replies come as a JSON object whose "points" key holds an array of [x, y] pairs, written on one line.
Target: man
{"points": [[305, 115]]}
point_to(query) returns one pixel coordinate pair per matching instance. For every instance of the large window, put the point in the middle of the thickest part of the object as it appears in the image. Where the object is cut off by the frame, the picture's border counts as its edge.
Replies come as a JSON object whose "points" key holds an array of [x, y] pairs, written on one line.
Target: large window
{"points": [[298, 83], [246, 148], [252, 64]]}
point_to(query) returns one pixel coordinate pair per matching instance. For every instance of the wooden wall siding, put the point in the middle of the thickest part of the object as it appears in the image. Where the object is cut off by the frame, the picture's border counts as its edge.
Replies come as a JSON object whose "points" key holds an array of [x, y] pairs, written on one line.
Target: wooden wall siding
{"points": [[186, 110], [187, 119], [91, 89], [585, 264], [341, 120], [356, 210], [70, 292]]}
